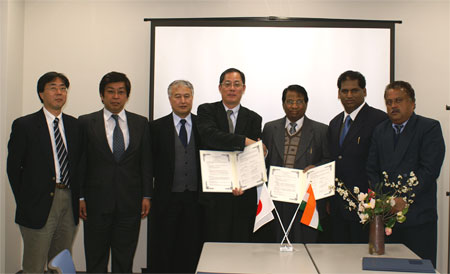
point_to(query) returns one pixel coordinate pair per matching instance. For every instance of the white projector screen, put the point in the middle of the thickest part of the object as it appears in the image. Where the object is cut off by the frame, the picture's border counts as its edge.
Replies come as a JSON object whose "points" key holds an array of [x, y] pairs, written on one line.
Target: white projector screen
{"points": [[272, 58]]}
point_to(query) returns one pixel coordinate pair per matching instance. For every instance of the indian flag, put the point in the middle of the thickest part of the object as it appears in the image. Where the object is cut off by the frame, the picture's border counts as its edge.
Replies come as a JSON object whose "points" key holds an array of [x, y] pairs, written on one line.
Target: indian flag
{"points": [[310, 215]]}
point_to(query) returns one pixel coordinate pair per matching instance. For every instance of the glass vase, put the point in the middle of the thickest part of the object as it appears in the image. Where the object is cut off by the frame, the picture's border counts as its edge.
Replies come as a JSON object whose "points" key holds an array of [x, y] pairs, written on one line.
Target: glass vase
{"points": [[376, 236]]}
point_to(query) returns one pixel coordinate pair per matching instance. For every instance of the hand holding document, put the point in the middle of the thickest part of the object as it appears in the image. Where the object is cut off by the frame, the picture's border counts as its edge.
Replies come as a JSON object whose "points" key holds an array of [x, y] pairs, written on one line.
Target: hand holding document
{"points": [[289, 185], [222, 171]]}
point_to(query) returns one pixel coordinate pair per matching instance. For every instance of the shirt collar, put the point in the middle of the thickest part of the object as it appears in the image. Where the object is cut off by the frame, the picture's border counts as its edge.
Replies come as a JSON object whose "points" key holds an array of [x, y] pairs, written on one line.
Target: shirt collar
{"points": [[235, 109], [177, 119], [299, 122], [354, 113], [50, 116], [107, 114]]}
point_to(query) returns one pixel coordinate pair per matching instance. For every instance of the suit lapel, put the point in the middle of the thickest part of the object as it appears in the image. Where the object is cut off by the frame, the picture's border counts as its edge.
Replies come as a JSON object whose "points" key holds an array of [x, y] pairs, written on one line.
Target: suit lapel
{"points": [[168, 134], [279, 137], [356, 126], [305, 138], [241, 121], [133, 131], [98, 127], [68, 134], [404, 140], [45, 140]]}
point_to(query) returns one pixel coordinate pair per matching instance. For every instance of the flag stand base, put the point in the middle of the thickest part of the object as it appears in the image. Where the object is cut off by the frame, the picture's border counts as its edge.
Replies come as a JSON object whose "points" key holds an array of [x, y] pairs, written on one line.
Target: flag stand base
{"points": [[286, 248]]}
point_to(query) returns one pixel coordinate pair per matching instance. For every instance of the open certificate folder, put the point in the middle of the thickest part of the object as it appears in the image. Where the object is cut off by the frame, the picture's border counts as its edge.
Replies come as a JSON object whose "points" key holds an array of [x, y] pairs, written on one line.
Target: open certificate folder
{"points": [[289, 184], [224, 170]]}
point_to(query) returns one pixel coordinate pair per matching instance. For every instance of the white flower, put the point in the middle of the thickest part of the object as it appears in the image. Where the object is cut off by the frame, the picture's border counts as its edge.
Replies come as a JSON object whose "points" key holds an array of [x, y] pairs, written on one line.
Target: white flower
{"points": [[356, 190], [364, 217], [372, 203], [362, 196], [392, 201], [352, 204]]}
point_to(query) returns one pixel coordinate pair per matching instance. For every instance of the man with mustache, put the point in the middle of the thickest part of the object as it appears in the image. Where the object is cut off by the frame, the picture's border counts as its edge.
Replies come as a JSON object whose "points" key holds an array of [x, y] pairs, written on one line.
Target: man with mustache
{"points": [[350, 149], [295, 141], [404, 143]]}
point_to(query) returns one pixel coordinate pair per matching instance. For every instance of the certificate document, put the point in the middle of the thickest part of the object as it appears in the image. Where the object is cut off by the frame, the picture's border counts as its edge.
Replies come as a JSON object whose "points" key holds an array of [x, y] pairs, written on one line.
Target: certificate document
{"points": [[322, 180], [289, 184], [286, 184], [224, 170]]}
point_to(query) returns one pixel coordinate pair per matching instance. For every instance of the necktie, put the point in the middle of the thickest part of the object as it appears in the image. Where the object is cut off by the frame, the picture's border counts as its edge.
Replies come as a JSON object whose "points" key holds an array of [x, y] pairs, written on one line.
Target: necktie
{"points": [[183, 132], [62, 154], [347, 124], [292, 130], [118, 143], [398, 130], [230, 122]]}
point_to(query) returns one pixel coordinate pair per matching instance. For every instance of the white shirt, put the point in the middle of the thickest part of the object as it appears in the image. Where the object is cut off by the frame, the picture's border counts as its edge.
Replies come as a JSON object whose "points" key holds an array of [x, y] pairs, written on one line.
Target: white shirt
{"points": [[234, 115], [110, 124], [188, 124], [354, 113], [50, 118], [299, 123]]}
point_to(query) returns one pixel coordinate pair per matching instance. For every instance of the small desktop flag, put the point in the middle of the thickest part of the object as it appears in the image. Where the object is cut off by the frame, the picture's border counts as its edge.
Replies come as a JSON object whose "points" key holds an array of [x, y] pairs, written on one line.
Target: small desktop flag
{"points": [[310, 215], [264, 211]]}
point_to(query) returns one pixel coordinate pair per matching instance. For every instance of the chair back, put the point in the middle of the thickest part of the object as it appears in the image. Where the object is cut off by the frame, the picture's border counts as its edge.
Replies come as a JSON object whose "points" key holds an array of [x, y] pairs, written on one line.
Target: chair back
{"points": [[63, 263]]}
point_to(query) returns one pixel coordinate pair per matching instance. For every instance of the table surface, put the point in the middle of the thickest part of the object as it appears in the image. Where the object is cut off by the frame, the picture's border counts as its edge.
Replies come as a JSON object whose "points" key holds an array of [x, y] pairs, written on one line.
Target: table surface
{"points": [[253, 258], [347, 258]]}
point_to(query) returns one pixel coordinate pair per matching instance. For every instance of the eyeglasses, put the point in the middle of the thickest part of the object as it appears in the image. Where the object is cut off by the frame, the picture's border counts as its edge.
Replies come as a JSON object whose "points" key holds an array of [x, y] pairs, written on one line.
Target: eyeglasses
{"points": [[55, 89], [116, 92], [228, 84], [298, 102]]}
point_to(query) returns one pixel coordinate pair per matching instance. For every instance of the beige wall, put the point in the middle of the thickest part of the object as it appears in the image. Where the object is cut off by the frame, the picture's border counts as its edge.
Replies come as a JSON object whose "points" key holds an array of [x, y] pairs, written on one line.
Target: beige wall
{"points": [[86, 39]]}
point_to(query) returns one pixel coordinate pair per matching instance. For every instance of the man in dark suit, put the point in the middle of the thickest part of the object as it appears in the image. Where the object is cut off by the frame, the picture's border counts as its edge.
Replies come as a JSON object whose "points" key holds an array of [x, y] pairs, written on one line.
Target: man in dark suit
{"points": [[350, 149], [43, 159], [227, 125], [404, 143], [295, 141], [176, 212], [117, 188]]}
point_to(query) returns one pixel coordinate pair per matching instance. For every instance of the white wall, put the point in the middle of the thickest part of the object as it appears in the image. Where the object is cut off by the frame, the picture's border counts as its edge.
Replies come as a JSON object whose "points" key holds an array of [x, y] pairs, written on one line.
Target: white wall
{"points": [[85, 39], [12, 20]]}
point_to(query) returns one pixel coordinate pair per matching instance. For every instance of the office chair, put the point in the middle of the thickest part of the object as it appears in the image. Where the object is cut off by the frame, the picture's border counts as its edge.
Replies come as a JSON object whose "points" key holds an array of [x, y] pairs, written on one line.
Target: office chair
{"points": [[62, 263]]}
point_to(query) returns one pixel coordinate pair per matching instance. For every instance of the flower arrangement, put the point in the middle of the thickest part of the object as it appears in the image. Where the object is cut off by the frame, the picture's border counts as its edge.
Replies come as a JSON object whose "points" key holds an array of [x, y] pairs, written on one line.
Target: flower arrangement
{"points": [[375, 202]]}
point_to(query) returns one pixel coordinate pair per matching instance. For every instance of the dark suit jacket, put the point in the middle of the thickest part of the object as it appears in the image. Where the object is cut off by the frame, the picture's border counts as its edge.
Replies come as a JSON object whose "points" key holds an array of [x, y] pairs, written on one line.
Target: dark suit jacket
{"points": [[421, 149], [31, 167], [213, 129], [351, 158], [107, 184], [313, 148], [162, 132]]}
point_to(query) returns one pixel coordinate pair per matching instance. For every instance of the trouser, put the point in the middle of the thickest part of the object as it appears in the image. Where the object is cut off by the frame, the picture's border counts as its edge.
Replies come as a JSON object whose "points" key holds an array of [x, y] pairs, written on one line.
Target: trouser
{"points": [[41, 245]]}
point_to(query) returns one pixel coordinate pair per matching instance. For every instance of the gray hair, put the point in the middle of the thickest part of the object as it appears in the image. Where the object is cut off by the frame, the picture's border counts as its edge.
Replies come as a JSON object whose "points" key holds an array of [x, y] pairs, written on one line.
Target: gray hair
{"points": [[177, 83]]}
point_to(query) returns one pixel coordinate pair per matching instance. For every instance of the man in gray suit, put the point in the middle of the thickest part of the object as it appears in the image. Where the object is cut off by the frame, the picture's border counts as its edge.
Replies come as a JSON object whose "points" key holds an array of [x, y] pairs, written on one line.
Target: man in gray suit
{"points": [[295, 141]]}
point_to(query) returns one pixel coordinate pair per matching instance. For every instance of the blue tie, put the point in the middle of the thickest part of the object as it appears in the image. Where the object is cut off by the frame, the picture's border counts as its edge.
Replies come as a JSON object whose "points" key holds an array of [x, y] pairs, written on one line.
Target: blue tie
{"points": [[398, 130], [183, 133], [118, 142], [62, 154], [347, 124]]}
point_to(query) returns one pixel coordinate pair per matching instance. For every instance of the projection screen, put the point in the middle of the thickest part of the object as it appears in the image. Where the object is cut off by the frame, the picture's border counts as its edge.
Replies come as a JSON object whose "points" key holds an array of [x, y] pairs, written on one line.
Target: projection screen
{"points": [[273, 53]]}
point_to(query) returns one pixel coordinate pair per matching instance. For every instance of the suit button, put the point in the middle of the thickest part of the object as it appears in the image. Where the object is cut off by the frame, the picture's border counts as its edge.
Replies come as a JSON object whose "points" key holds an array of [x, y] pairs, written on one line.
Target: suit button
{"points": [[340, 157], [52, 194]]}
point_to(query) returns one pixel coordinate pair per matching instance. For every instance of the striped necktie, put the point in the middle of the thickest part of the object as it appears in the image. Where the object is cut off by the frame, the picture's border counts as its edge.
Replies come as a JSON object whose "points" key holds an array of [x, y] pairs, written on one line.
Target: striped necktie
{"points": [[230, 122], [62, 154], [347, 124]]}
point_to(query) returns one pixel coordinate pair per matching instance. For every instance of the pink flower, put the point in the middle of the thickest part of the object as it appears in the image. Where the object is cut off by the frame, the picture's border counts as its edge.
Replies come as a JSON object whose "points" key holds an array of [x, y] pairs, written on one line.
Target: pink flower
{"points": [[388, 231]]}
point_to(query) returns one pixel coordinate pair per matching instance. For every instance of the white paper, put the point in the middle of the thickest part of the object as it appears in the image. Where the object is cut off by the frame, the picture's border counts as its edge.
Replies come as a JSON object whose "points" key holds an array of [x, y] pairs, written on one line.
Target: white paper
{"points": [[222, 171], [286, 184], [322, 180]]}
